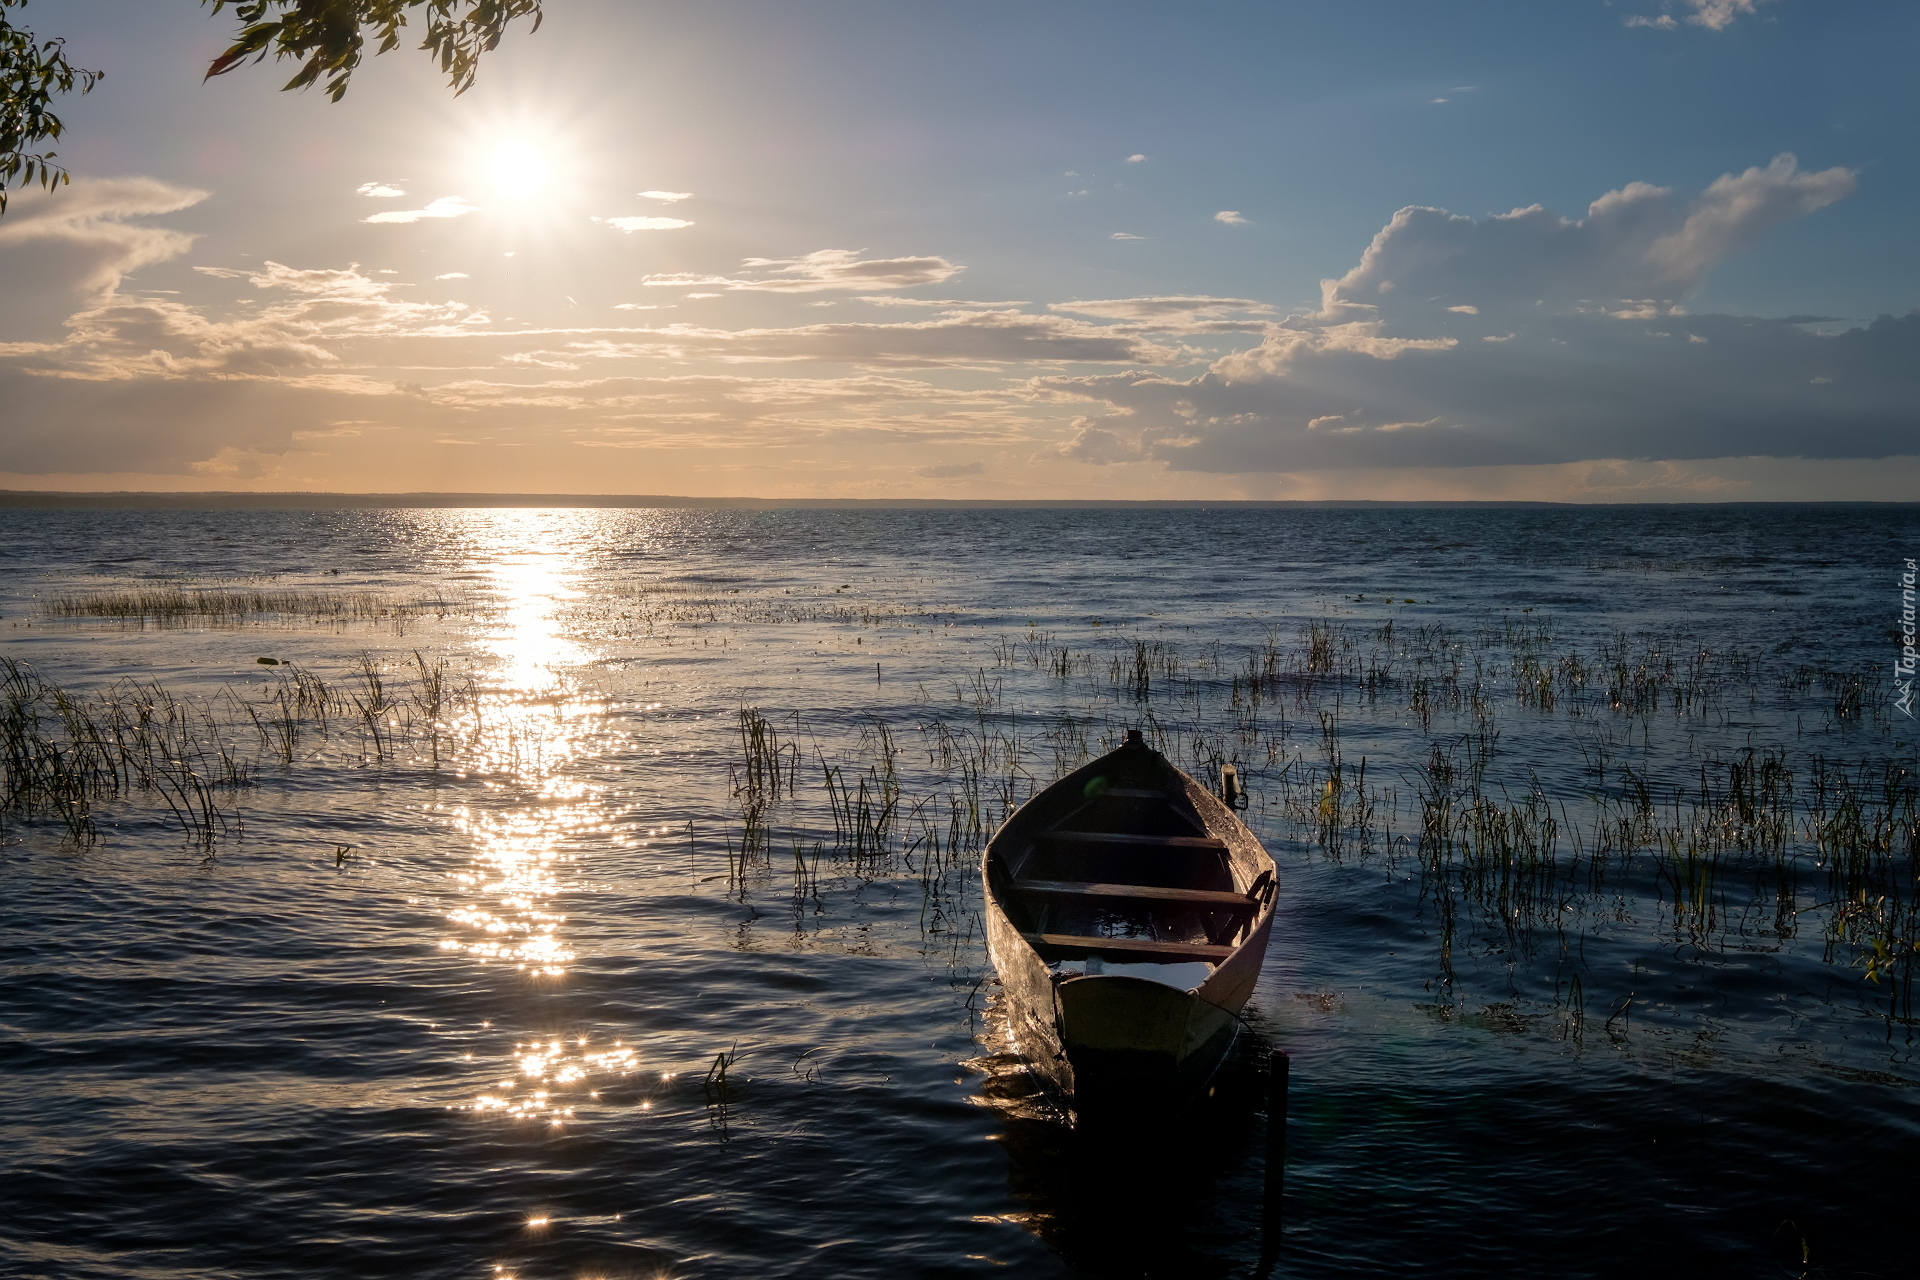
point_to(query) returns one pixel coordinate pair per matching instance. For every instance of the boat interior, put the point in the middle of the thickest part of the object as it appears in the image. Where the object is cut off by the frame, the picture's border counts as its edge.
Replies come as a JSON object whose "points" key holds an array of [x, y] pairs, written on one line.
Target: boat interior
{"points": [[1129, 877]]}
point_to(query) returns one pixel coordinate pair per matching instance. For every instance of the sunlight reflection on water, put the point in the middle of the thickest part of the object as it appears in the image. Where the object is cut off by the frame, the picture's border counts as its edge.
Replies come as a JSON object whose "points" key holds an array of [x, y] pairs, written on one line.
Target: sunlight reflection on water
{"points": [[530, 725]]}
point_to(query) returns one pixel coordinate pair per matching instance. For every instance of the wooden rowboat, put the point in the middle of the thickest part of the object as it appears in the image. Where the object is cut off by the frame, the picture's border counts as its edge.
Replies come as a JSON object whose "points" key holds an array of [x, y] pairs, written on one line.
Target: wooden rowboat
{"points": [[1128, 910]]}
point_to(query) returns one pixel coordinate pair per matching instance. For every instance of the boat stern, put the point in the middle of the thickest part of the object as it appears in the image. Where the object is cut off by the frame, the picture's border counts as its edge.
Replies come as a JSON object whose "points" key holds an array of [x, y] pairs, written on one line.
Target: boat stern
{"points": [[1133, 1041]]}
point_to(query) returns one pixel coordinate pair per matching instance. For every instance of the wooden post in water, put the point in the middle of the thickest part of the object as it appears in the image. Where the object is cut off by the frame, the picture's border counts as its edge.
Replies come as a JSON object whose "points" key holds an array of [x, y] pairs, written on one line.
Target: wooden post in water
{"points": [[1273, 1218]]}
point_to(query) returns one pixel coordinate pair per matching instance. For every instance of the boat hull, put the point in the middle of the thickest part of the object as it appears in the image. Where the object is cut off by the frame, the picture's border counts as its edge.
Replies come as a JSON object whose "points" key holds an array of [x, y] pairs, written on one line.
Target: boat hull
{"points": [[1113, 1042]]}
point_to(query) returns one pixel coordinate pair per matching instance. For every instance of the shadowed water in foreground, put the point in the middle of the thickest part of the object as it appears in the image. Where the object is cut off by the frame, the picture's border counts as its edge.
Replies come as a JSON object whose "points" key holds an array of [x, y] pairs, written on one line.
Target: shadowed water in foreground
{"points": [[594, 892]]}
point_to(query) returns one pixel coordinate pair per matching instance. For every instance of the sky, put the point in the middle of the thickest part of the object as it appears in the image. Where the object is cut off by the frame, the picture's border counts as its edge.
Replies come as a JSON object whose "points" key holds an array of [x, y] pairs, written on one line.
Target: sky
{"points": [[1564, 250]]}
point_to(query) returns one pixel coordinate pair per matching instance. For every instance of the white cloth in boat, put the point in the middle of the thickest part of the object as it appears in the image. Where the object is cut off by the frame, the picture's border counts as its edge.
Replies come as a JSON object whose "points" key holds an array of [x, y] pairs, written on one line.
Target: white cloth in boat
{"points": [[1182, 976]]}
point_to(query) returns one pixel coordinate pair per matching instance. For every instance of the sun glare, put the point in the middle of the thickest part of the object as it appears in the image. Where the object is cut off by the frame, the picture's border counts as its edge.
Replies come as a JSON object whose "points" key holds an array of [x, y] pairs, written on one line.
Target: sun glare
{"points": [[519, 170]]}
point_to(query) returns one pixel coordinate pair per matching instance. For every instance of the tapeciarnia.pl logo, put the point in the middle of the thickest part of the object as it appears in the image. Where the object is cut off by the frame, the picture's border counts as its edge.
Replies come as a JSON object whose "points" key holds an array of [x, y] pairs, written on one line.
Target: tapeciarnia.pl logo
{"points": [[1903, 665]]}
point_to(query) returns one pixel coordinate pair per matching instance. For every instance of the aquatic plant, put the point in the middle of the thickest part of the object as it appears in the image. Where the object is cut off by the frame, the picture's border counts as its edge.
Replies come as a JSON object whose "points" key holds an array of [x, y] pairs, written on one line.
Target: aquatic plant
{"points": [[62, 753], [177, 604], [1489, 837]]}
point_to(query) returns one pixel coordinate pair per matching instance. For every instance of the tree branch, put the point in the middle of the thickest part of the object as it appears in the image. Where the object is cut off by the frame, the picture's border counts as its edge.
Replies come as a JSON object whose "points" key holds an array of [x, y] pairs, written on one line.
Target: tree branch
{"points": [[32, 73], [328, 37]]}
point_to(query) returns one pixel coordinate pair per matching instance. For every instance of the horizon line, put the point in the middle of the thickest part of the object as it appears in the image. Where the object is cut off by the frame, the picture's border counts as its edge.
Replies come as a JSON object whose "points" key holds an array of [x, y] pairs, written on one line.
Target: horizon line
{"points": [[320, 500]]}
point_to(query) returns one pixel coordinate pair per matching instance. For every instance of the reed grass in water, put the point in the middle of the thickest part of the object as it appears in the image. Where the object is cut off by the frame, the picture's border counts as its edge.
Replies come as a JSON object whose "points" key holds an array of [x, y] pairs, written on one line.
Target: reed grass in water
{"points": [[1502, 857], [66, 755], [62, 755], [1357, 741], [234, 606]]}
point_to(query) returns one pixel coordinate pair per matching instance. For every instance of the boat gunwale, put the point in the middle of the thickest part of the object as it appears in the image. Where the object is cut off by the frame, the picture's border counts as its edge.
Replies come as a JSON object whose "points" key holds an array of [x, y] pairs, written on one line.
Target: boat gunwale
{"points": [[1217, 820]]}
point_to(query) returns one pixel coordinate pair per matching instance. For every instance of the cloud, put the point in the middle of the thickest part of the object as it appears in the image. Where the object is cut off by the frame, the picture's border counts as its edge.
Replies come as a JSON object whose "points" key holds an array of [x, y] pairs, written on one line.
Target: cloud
{"points": [[882, 300], [82, 238], [1737, 210], [1714, 15], [152, 425], [246, 387], [1635, 245], [1285, 346], [846, 269], [951, 470], [453, 275], [156, 385], [980, 338], [1137, 158], [378, 190], [1094, 444], [130, 338], [667, 197], [317, 281], [739, 412], [1573, 387], [1553, 361], [820, 271], [122, 338], [1231, 217], [1185, 313], [1174, 307], [1526, 340], [1124, 235], [1717, 15], [680, 280], [631, 225], [444, 207], [182, 425]]}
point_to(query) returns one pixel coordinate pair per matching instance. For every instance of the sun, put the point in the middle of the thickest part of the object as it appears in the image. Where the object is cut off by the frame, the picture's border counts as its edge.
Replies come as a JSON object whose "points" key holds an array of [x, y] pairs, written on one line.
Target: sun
{"points": [[524, 168], [520, 170]]}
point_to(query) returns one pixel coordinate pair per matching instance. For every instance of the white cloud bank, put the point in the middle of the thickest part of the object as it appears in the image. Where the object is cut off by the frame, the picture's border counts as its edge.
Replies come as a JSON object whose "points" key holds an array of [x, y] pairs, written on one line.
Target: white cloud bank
{"points": [[1636, 250], [1193, 314], [1530, 338], [819, 271], [631, 225], [444, 207], [86, 234]]}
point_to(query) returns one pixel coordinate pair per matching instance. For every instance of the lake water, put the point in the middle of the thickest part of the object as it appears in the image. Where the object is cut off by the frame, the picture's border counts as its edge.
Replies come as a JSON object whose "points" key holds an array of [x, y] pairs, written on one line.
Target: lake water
{"points": [[593, 892]]}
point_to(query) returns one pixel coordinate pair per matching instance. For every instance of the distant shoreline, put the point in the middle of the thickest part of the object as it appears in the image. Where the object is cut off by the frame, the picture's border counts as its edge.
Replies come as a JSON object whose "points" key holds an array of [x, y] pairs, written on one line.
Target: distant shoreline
{"points": [[27, 499]]}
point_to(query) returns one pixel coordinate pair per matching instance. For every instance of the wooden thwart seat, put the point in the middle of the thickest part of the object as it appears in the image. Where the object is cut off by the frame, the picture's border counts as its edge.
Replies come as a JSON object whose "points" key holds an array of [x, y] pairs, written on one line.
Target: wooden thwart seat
{"points": [[1211, 898], [1147, 949], [1132, 841]]}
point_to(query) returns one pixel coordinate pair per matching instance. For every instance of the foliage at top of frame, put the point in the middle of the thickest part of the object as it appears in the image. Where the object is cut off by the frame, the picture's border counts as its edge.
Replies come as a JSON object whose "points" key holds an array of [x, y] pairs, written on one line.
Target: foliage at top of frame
{"points": [[32, 72], [328, 37]]}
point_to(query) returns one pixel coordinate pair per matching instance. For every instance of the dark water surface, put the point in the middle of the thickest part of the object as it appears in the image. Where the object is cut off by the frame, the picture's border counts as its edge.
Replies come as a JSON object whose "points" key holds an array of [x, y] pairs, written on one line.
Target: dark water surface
{"points": [[1598, 966]]}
